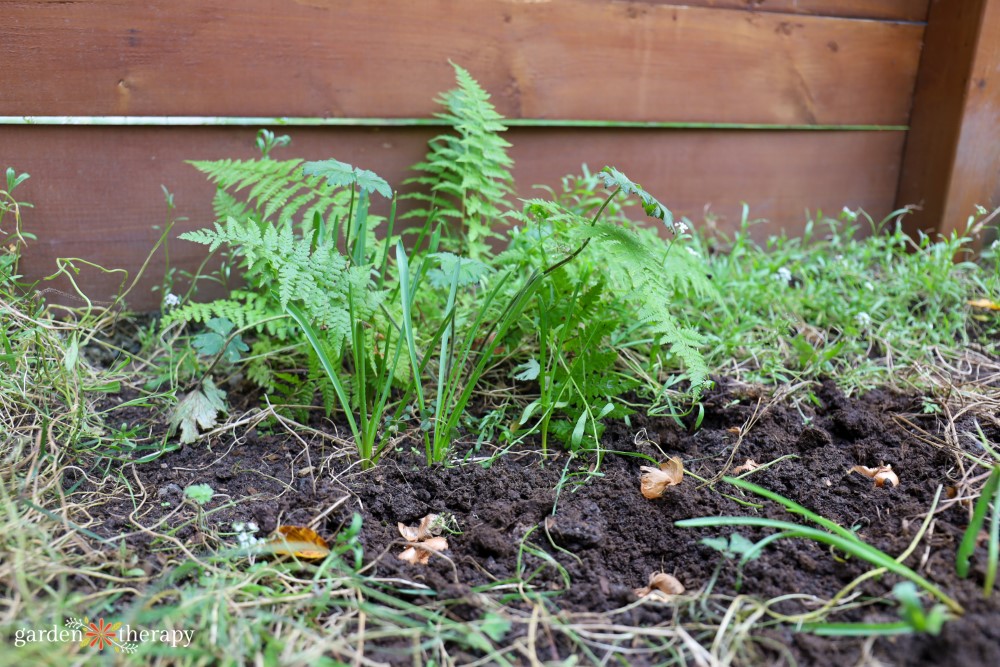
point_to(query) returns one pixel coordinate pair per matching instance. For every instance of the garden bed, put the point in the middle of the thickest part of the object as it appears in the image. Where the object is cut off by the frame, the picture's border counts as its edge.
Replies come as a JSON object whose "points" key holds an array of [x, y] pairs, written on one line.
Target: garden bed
{"points": [[580, 543]]}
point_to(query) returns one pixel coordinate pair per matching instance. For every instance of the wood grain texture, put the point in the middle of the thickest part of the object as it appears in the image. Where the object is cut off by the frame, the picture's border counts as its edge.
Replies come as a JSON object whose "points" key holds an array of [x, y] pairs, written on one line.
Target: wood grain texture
{"points": [[97, 191], [559, 59], [900, 10], [952, 158]]}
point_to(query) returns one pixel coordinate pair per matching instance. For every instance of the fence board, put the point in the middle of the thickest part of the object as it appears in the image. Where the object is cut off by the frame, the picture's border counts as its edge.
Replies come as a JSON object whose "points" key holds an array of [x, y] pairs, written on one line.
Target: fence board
{"points": [[952, 159], [97, 190], [362, 58], [900, 10]]}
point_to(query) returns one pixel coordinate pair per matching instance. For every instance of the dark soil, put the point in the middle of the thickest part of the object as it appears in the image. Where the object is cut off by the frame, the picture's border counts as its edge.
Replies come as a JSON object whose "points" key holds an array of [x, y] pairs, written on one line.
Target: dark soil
{"points": [[606, 535]]}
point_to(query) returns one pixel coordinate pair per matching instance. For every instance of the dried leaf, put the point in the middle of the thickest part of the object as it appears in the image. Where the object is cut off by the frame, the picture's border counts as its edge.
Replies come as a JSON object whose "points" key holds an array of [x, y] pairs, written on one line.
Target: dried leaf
{"points": [[985, 304], [297, 541], [746, 467], [881, 474], [420, 553], [662, 584], [423, 540], [654, 481], [199, 409], [409, 533], [429, 526]]}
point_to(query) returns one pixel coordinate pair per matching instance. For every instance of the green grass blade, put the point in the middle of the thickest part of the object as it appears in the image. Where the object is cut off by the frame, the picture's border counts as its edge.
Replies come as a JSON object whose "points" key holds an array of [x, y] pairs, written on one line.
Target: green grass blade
{"points": [[994, 547], [328, 367], [852, 546], [968, 544], [793, 507], [445, 390], [406, 300], [858, 629], [492, 340]]}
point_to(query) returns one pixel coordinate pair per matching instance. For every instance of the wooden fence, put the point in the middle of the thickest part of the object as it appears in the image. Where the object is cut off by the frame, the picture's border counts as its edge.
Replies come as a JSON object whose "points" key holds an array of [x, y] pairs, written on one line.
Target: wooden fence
{"points": [[786, 105]]}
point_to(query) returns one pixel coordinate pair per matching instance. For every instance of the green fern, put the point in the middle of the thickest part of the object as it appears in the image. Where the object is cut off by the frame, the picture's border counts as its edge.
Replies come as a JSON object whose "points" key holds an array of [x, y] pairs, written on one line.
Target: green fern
{"points": [[226, 205], [318, 279], [585, 373], [243, 308], [636, 259], [468, 173], [279, 372], [651, 289], [276, 188]]}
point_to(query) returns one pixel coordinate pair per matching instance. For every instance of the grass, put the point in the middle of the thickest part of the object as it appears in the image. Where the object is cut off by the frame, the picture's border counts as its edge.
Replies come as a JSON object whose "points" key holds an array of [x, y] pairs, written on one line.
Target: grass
{"points": [[853, 299], [832, 534]]}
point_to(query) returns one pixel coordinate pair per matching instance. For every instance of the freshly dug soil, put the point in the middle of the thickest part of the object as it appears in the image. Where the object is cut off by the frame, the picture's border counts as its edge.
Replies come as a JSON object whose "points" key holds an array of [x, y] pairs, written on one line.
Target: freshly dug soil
{"points": [[607, 536]]}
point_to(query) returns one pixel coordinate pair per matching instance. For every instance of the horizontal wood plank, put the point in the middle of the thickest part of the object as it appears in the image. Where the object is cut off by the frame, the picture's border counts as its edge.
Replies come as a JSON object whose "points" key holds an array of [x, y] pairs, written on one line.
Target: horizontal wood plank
{"points": [[97, 191], [898, 10], [560, 59]]}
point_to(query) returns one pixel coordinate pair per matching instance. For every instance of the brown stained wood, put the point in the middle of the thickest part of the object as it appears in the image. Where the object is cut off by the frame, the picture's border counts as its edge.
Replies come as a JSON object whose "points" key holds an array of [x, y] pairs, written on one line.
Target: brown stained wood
{"points": [[97, 190], [900, 10], [556, 59], [952, 158]]}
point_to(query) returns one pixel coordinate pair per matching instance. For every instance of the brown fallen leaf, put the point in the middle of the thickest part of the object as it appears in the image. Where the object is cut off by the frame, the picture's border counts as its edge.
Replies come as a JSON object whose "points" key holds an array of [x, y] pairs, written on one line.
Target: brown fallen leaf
{"points": [[984, 303], [746, 467], [420, 552], [662, 584], [881, 474], [654, 481], [297, 541]]}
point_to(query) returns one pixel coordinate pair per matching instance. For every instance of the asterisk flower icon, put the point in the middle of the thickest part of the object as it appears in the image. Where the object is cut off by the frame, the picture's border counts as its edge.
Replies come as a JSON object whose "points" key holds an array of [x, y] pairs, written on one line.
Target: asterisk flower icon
{"points": [[100, 634]]}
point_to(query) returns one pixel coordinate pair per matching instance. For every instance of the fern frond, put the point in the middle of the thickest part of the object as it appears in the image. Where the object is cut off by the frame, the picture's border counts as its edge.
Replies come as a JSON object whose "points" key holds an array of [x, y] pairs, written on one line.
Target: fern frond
{"points": [[650, 287], [278, 190], [319, 279], [225, 205], [244, 309], [468, 172]]}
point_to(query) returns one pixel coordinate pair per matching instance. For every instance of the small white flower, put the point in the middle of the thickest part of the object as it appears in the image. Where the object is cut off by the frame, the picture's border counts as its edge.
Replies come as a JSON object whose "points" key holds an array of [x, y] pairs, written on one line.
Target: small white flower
{"points": [[171, 300], [246, 540], [681, 227], [245, 537], [848, 214], [863, 319], [783, 275]]}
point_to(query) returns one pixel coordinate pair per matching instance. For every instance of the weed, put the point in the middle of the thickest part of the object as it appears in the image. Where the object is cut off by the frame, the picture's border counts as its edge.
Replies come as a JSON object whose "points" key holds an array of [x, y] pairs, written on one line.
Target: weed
{"points": [[832, 534], [14, 240], [200, 493], [989, 501], [853, 299], [736, 545]]}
